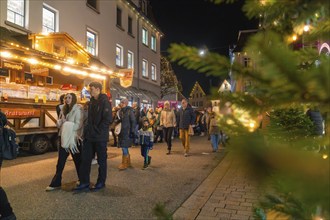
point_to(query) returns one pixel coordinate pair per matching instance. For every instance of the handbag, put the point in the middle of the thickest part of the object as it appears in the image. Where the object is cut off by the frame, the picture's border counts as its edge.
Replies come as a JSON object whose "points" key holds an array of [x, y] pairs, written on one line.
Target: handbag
{"points": [[118, 128], [191, 130]]}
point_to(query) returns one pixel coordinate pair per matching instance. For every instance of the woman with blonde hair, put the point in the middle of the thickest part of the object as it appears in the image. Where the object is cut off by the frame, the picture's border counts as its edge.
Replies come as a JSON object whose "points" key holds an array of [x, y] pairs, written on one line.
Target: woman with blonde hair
{"points": [[70, 124], [168, 121]]}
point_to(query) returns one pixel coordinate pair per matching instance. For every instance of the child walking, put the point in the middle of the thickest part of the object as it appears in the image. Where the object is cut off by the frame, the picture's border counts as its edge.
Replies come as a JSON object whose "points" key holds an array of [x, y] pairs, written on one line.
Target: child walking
{"points": [[146, 140]]}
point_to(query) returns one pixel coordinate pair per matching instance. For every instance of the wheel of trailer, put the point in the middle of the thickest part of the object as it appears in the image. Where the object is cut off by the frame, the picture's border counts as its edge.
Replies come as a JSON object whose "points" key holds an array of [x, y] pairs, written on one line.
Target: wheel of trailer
{"points": [[40, 144]]}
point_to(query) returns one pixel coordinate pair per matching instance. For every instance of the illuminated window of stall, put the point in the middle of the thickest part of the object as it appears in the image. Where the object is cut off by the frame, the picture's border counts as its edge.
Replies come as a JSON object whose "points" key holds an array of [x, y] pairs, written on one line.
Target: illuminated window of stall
{"points": [[119, 55], [48, 19], [16, 12], [91, 42]]}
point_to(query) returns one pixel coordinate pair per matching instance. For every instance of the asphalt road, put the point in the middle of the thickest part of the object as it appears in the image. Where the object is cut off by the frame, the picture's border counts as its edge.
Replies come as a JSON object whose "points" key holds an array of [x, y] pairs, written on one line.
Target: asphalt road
{"points": [[130, 194]]}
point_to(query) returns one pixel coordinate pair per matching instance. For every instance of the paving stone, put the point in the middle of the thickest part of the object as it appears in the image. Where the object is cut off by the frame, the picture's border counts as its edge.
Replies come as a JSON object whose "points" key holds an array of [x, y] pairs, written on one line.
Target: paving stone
{"points": [[223, 216], [234, 207], [239, 217], [232, 203], [248, 213], [247, 204], [208, 213], [228, 211]]}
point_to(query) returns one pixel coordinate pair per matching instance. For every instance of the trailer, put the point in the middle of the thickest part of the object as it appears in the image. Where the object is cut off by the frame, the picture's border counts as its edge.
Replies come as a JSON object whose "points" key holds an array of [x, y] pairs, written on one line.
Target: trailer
{"points": [[34, 124]]}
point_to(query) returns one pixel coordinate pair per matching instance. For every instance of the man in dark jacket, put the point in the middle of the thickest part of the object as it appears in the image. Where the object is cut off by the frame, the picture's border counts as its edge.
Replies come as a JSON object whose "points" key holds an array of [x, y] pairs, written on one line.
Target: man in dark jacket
{"points": [[186, 119], [6, 211], [96, 136]]}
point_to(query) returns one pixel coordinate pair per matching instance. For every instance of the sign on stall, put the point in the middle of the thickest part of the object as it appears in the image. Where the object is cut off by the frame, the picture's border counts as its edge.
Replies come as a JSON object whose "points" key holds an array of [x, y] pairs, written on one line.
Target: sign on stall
{"points": [[21, 113]]}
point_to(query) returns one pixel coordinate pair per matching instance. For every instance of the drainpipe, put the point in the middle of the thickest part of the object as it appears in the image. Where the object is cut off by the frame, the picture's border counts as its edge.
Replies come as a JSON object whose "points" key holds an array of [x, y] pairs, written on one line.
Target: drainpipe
{"points": [[138, 56]]}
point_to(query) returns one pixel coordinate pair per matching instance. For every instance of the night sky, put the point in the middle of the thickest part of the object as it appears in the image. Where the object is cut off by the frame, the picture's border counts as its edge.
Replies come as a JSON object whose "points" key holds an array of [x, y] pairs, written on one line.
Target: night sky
{"points": [[199, 23]]}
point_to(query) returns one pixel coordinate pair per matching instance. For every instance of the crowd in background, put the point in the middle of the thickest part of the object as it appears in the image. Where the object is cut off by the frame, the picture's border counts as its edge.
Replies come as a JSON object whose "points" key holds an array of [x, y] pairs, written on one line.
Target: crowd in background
{"points": [[201, 125]]}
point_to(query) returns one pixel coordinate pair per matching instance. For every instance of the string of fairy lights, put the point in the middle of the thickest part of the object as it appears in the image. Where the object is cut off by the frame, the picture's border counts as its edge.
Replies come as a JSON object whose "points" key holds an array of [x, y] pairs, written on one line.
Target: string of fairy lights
{"points": [[68, 65]]}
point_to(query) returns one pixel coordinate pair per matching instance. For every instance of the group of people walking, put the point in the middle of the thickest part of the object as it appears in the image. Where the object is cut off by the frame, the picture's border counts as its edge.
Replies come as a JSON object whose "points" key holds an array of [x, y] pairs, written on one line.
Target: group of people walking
{"points": [[84, 133]]}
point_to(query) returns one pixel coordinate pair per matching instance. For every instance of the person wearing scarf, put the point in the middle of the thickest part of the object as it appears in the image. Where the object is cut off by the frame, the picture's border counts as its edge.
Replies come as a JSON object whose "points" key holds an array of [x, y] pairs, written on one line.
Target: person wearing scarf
{"points": [[70, 125]]}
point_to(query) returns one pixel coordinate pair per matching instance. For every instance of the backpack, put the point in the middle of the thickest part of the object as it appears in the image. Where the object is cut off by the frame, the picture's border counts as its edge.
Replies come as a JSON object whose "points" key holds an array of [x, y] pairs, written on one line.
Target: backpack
{"points": [[9, 148]]}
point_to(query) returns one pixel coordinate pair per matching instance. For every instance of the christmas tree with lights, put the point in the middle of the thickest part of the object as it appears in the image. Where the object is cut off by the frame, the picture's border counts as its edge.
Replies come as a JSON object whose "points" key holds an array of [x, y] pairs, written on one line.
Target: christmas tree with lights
{"points": [[289, 73]]}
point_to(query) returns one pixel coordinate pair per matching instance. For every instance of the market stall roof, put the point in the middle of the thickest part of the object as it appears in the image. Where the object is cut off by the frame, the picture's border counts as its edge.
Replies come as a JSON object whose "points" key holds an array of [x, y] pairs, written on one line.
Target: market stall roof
{"points": [[133, 92], [16, 46]]}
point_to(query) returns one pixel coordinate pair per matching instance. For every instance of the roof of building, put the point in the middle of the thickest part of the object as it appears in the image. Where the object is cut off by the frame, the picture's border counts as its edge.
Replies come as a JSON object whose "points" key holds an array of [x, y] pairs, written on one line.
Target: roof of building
{"points": [[243, 36], [197, 86]]}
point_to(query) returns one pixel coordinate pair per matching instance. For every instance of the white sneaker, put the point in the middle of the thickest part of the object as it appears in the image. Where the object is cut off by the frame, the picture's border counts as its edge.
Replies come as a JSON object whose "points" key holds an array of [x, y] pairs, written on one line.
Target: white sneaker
{"points": [[94, 161], [50, 188]]}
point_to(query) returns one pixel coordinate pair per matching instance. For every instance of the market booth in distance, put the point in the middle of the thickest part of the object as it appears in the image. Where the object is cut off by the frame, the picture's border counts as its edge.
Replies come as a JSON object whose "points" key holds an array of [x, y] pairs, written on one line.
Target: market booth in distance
{"points": [[34, 73]]}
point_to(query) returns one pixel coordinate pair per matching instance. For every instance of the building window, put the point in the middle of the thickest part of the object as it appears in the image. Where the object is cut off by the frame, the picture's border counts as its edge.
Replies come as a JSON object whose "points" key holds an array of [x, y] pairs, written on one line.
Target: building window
{"points": [[16, 12], [130, 25], [91, 42], [200, 95], [145, 68], [144, 36], [144, 7], [196, 95], [92, 3], [201, 103], [48, 20], [153, 43], [153, 72], [119, 17], [247, 62], [119, 55], [130, 60]]}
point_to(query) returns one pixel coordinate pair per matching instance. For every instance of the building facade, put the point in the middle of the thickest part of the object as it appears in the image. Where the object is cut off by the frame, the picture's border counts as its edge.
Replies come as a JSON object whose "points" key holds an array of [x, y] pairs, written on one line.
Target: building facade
{"points": [[197, 97], [119, 33]]}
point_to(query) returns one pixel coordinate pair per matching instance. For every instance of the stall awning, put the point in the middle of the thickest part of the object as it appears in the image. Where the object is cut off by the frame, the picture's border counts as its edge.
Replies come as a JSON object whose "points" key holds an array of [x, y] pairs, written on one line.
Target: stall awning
{"points": [[133, 92]]}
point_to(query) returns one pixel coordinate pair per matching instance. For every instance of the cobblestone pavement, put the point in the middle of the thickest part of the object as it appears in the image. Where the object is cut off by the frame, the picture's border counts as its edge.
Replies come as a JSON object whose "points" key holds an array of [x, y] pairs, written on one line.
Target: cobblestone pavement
{"points": [[129, 195], [227, 193]]}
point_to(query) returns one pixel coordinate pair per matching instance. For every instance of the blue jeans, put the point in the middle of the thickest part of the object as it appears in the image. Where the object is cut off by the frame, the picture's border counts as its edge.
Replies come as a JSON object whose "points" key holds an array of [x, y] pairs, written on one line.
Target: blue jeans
{"points": [[144, 153], [215, 138], [125, 151]]}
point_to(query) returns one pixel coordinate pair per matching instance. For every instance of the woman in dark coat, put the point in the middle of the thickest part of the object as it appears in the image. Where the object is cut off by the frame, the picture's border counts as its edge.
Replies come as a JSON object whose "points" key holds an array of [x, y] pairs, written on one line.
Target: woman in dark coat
{"points": [[127, 133]]}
